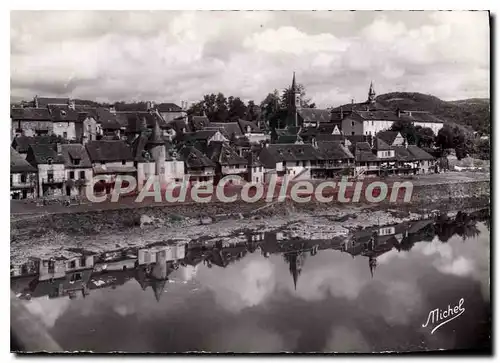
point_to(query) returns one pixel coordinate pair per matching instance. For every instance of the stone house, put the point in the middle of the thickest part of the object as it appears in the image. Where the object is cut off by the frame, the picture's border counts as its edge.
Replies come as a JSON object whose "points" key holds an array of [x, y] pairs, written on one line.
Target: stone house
{"points": [[110, 158], [78, 168], [30, 122], [51, 172], [153, 155], [64, 119], [197, 166], [227, 161], [23, 178], [170, 111]]}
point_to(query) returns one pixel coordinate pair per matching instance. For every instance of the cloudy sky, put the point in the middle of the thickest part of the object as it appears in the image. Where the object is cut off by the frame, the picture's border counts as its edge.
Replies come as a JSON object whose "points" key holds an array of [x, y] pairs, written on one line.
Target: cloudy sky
{"points": [[174, 56]]}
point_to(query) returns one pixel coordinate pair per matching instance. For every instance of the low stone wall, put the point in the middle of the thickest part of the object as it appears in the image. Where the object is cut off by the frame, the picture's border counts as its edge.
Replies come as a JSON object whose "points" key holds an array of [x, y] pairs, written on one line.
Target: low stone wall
{"points": [[424, 197]]}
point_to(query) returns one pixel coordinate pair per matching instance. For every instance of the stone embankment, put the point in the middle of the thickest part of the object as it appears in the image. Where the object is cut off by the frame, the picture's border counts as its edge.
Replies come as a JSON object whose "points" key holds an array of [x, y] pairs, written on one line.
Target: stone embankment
{"points": [[425, 197]]}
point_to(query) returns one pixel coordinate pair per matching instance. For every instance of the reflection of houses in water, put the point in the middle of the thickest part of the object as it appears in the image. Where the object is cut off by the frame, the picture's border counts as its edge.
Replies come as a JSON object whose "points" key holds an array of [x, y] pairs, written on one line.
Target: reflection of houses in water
{"points": [[156, 264], [152, 266], [375, 241]]}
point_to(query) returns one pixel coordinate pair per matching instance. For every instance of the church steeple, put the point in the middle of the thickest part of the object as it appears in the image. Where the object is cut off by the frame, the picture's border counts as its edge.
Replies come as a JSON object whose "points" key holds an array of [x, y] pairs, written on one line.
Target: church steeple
{"points": [[371, 93], [294, 86], [294, 103]]}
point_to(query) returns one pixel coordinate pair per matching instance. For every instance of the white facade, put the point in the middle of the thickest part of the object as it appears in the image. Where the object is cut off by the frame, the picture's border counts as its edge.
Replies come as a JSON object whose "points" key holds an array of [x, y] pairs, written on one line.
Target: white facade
{"points": [[373, 126], [23, 185], [65, 129], [256, 174], [297, 170], [48, 176]]}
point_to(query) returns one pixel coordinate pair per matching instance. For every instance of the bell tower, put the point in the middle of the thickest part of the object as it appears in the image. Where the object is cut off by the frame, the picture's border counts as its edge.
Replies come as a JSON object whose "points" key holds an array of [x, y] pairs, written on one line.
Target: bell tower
{"points": [[294, 102], [371, 93]]}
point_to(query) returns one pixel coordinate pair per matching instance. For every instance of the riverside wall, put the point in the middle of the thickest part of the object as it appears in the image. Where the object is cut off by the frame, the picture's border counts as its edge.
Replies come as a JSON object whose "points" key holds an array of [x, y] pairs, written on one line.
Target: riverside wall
{"points": [[427, 197]]}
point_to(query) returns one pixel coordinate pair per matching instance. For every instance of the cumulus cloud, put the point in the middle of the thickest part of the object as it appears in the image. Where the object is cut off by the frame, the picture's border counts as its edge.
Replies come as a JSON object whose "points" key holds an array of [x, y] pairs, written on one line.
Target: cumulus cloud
{"points": [[174, 56]]}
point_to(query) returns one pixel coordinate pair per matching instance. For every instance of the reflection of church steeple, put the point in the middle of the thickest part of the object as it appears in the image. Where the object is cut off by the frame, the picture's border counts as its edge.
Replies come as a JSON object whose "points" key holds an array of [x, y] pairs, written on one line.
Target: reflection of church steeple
{"points": [[372, 262], [158, 288], [295, 262]]}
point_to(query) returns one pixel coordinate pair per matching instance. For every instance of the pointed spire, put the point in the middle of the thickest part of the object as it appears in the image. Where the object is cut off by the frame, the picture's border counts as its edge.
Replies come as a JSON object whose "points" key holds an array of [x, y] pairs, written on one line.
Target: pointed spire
{"points": [[294, 86], [158, 288], [372, 262], [371, 93]]}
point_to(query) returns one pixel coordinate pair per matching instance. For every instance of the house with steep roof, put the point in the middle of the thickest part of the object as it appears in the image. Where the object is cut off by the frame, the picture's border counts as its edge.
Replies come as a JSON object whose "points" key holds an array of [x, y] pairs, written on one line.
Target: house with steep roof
{"points": [[86, 128], [198, 167], [110, 158], [78, 168], [336, 160], [255, 172], [227, 161], [392, 138], [252, 132], [156, 156], [292, 160], [23, 178], [64, 119], [30, 121], [51, 172], [170, 111]]}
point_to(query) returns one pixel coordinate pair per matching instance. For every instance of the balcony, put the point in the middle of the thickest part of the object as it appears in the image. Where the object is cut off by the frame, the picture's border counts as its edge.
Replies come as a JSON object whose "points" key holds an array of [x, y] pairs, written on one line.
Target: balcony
{"points": [[53, 180], [27, 184]]}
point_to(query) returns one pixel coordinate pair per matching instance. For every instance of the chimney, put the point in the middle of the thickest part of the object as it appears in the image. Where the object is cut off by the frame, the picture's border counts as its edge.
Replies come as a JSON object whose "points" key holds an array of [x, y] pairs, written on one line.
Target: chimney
{"points": [[36, 101], [399, 112], [341, 113], [352, 101]]}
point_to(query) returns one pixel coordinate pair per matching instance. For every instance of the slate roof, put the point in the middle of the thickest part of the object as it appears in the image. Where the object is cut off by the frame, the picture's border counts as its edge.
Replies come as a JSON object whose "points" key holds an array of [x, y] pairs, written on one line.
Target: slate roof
{"points": [[41, 153], [402, 153], [314, 115], [224, 154], [203, 135], [18, 164], [62, 114], [379, 144], [418, 153], [194, 158], [71, 152], [226, 128], [30, 114], [363, 152], [133, 120], [244, 124], [168, 107], [388, 136], [329, 137], [274, 153], [178, 125], [45, 101], [108, 150], [288, 139], [199, 122], [333, 150], [105, 169]]}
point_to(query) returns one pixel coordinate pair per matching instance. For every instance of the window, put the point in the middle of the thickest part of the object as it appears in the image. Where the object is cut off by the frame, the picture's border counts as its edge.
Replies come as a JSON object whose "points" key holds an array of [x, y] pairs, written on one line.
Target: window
{"points": [[284, 163], [50, 176], [352, 123], [297, 163], [23, 178], [65, 135], [11, 179], [72, 175], [49, 161], [76, 161], [372, 122], [123, 162], [82, 174], [76, 277], [72, 264], [83, 261], [352, 132]]}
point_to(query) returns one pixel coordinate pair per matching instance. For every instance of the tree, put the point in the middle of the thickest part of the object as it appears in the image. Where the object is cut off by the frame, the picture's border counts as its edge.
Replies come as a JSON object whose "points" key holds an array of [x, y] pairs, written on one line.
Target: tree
{"points": [[222, 112], [482, 149], [455, 138], [272, 110], [237, 108], [425, 136], [253, 111], [407, 130]]}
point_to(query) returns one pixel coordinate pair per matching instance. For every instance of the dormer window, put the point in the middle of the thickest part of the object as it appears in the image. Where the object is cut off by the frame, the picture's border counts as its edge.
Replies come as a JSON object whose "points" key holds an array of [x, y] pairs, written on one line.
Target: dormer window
{"points": [[76, 161], [49, 161], [63, 112]]}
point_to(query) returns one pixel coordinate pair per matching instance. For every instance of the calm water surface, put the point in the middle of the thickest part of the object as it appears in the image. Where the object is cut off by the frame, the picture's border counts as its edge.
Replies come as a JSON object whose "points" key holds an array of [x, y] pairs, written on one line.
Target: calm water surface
{"points": [[371, 292]]}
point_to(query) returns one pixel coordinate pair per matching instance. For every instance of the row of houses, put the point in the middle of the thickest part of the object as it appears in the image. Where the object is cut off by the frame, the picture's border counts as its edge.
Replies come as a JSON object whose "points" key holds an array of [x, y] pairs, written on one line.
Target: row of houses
{"points": [[41, 168]]}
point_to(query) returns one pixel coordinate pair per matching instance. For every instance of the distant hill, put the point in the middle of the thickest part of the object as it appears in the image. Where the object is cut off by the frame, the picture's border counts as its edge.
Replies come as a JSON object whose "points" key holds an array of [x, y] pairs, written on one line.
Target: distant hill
{"points": [[473, 113]]}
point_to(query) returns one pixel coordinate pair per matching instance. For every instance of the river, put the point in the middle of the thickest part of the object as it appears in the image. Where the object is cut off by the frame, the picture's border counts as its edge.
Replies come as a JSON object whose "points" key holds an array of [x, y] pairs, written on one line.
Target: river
{"points": [[370, 292]]}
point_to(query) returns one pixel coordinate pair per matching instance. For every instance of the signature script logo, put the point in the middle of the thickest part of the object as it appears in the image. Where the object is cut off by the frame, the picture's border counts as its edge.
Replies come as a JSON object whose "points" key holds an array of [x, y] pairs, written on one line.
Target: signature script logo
{"points": [[443, 316]]}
